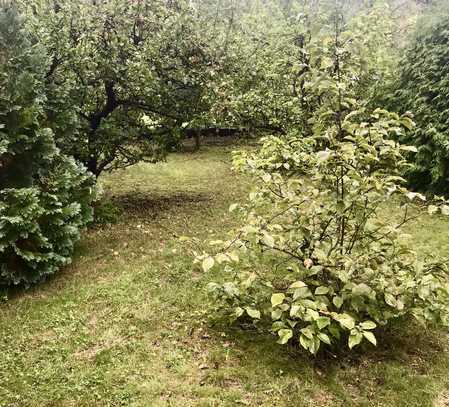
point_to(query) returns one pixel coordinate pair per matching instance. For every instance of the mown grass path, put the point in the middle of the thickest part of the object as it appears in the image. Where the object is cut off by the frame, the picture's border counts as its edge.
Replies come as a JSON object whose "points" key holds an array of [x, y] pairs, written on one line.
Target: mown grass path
{"points": [[126, 324]]}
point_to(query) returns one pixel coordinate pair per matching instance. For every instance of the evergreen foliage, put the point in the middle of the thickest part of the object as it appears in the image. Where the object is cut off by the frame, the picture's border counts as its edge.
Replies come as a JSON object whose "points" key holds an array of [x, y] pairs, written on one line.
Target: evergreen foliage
{"points": [[423, 89], [45, 196]]}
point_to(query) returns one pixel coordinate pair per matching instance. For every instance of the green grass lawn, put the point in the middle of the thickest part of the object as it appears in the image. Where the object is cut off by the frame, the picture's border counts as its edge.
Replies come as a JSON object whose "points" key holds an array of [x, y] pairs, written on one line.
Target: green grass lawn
{"points": [[127, 323]]}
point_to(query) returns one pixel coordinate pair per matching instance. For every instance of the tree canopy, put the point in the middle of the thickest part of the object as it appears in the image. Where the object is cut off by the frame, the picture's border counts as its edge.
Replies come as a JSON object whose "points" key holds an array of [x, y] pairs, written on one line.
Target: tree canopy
{"points": [[124, 79]]}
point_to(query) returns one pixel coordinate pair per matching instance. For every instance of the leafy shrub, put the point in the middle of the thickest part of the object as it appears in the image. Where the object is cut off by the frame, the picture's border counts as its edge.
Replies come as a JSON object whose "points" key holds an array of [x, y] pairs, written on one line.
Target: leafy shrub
{"points": [[318, 259], [45, 196], [316, 256], [423, 88]]}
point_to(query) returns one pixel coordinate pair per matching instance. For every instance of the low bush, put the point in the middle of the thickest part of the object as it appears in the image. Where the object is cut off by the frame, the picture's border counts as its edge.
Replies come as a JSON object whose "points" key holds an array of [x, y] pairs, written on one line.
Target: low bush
{"points": [[317, 258]]}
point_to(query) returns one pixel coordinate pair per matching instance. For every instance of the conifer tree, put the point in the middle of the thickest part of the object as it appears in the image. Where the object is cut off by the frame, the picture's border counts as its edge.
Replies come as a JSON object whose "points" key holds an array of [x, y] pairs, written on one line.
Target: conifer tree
{"points": [[45, 196], [422, 88]]}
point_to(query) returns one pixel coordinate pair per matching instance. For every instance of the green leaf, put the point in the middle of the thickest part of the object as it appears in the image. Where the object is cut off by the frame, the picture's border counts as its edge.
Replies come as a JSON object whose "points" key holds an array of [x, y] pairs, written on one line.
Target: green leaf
{"points": [[277, 299], [326, 62], [284, 336], [370, 337], [233, 207], [323, 155], [322, 290], [361, 289], [412, 149], [292, 323], [253, 313], [208, 263], [423, 292], [412, 195], [323, 322], [230, 289], [315, 345], [324, 338], [302, 292], [276, 314], [367, 325], [354, 339], [277, 326], [409, 148], [294, 310], [266, 177], [305, 342], [338, 301], [298, 284], [268, 240], [409, 124], [335, 331], [307, 332], [346, 321], [390, 300], [311, 315]]}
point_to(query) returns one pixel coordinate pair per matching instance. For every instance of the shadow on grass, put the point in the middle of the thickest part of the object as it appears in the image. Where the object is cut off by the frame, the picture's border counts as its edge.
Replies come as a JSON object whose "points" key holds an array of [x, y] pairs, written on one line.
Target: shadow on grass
{"points": [[49, 286], [150, 206], [406, 343], [400, 371], [134, 206]]}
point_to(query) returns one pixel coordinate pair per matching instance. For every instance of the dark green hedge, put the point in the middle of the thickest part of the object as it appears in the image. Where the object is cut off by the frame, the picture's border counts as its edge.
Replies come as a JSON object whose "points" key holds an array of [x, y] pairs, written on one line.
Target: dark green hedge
{"points": [[45, 196]]}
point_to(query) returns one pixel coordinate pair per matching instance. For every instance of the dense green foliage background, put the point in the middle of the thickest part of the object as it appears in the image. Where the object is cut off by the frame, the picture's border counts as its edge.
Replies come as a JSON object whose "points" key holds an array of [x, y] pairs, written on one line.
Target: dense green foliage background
{"points": [[422, 88]]}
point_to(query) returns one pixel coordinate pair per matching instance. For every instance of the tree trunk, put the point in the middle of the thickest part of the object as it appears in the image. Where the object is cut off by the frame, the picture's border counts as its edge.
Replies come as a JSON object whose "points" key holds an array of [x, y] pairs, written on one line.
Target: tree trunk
{"points": [[92, 166], [197, 136]]}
